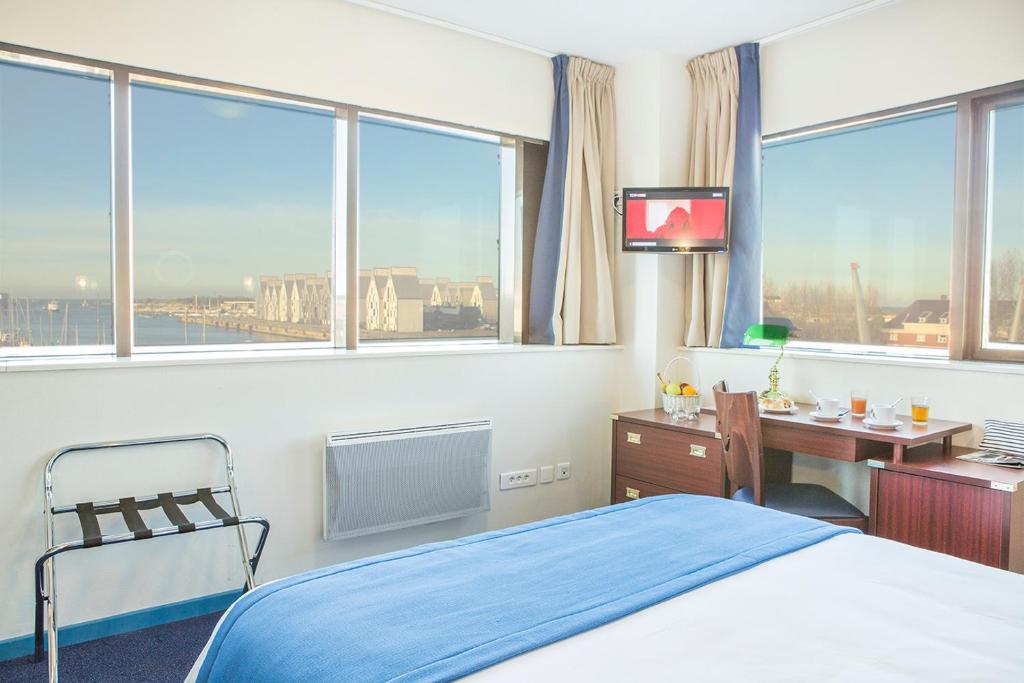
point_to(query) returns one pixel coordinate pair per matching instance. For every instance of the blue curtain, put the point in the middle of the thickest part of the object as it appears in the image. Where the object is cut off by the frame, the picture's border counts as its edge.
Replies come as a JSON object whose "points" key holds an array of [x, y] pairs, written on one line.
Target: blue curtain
{"points": [[743, 292], [547, 245]]}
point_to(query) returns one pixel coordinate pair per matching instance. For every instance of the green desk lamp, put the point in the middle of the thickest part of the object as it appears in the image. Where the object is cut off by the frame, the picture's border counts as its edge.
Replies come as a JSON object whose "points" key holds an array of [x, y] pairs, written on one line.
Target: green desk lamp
{"points": [[769, 335]]}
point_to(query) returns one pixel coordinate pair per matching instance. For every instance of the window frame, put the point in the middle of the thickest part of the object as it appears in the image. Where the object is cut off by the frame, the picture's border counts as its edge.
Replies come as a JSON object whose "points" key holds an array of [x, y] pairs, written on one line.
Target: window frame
{"points": [[345, 238], [13, 55], [969, 231], [339, 149], [972, 298], [510, 214]]}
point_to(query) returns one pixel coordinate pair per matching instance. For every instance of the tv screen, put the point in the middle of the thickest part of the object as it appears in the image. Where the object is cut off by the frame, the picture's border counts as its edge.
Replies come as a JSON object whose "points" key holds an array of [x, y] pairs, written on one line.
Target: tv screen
{"points": [[680, 220]]}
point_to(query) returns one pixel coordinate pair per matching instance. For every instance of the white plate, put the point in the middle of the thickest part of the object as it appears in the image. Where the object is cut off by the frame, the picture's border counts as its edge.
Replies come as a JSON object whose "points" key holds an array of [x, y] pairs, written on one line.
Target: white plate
{"points": [[780, 411], [881, 425], [815, 415]]}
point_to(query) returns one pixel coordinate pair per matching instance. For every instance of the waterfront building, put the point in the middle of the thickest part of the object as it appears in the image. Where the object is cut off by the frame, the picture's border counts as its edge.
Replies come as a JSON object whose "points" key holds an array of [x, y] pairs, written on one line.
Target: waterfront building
{"points": [[295, 298]]}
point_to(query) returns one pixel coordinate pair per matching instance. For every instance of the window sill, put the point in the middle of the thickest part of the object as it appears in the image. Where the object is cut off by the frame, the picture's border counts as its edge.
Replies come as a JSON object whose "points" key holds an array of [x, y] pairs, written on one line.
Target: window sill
{"points": [[944, 364], [156, 360]]}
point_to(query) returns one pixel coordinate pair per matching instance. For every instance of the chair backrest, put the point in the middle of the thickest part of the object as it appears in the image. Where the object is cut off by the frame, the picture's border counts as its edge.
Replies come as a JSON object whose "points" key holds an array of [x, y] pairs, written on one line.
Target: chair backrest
{"points": [[739, 424]]}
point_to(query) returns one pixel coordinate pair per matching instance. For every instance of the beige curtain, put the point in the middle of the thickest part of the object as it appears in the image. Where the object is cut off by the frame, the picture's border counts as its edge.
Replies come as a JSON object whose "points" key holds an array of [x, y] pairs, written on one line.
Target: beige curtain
{"points": [[715, 82], [584, 313]]}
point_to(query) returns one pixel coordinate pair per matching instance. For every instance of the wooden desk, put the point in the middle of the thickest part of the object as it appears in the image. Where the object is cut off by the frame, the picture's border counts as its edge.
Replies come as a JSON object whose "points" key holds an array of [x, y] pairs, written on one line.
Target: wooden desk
{"points": [[932, 500], [849, 439], [920, 493], [653, 454]]}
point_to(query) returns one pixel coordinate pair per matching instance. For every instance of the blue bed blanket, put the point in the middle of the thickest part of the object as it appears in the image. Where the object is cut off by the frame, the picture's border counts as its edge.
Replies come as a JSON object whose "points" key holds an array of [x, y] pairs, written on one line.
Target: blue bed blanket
{"points": [[442, 611]]}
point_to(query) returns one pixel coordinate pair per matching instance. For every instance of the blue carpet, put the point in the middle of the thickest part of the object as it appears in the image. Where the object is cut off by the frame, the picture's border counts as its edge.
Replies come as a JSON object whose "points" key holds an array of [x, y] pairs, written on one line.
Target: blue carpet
{"points": [[159, 654]]}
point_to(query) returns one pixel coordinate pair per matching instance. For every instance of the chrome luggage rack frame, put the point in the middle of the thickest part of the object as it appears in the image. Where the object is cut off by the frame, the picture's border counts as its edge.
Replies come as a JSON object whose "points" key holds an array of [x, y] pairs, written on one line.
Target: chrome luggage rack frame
{"points": [[45, 590]]}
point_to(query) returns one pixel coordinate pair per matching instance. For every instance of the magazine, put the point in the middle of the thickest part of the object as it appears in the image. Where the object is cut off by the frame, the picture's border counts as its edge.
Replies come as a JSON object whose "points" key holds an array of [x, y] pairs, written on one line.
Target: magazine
{"points": [[995, 458]]}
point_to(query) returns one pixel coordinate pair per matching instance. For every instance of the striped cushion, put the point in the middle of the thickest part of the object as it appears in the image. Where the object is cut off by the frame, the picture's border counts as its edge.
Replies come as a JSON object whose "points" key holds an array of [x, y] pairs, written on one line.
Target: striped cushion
{"points": [[1007, 437]]}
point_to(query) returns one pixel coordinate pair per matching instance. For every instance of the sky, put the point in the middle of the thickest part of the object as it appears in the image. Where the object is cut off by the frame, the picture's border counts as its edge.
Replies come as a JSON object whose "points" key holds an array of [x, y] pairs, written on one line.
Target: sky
{"points": [[1008, 172], [224, 190], [54, 182], [880, 195], [429, 200]]}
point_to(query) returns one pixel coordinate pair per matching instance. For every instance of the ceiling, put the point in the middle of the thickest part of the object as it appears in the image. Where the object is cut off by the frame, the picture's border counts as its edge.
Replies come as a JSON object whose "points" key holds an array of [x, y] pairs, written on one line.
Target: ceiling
{"points": [[612, 31]]}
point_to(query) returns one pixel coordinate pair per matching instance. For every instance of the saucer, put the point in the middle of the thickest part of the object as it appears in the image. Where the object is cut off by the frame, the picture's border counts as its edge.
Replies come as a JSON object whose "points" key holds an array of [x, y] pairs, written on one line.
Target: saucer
{"points": [[780, 411], [815, 415], [881, 425]]}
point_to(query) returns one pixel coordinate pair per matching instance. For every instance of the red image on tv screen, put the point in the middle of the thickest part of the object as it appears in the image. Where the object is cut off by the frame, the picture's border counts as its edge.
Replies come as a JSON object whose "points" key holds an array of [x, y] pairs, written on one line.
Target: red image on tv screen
{"points": [[675, 219]]}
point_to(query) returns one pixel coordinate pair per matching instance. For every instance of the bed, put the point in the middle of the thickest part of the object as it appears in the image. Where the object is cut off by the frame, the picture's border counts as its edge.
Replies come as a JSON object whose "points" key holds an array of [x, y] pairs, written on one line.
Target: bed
{"points": [[666, 588]]}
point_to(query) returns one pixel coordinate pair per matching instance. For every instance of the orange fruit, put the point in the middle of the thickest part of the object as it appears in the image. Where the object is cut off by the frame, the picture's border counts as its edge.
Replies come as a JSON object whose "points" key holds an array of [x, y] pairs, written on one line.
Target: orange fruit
{"points": [[689, 390]]}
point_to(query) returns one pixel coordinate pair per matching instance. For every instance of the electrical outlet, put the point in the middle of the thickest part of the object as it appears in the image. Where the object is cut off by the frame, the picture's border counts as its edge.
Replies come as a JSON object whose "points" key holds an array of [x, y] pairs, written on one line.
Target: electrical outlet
{"points": [[563, 470], [547, 474], [517, 479]]}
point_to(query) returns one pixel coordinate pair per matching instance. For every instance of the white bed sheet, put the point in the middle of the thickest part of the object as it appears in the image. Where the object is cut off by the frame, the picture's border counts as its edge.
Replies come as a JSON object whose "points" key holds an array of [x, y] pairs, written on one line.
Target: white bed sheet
{"points": [[852, 608]]}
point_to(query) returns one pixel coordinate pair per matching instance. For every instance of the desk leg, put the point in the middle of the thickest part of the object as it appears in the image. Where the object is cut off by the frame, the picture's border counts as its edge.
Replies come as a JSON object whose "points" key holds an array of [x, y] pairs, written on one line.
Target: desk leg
{"points": [[897, 452], [947, 444]]}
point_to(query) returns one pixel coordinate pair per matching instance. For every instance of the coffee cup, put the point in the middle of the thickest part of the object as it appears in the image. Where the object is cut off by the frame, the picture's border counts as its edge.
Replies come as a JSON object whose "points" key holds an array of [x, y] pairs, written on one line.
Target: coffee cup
{"points": [[883, 414], [828, 407]]}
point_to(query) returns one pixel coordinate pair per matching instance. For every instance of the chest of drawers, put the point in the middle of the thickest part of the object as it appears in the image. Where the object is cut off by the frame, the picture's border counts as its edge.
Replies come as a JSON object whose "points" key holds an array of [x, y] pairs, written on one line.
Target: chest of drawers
{"points": [[652, 455]]}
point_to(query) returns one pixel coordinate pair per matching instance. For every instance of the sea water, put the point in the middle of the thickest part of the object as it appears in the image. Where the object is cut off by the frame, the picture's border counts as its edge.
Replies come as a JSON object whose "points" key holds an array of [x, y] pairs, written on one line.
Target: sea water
{"points": [[91, 323]]}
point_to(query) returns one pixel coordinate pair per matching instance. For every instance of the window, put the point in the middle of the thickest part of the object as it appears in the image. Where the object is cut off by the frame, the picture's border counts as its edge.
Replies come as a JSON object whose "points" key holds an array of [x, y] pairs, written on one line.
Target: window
{"points": [[233, 218], [1003, 316], [858, 229], [430, 204], [55, 209], [145, 212]]}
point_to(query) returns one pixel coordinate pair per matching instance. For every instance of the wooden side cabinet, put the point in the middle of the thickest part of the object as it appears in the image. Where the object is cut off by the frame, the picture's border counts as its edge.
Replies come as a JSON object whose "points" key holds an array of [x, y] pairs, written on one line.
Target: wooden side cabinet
{"points": [[653, 456], [932, 500]]}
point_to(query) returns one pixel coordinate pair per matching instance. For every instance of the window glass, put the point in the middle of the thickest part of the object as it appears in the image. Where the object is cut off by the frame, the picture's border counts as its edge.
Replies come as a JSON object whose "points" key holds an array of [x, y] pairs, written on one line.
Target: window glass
{"points": [[233, 219], [55, 197], [858, 230], [428, 232], [1004, 214]]}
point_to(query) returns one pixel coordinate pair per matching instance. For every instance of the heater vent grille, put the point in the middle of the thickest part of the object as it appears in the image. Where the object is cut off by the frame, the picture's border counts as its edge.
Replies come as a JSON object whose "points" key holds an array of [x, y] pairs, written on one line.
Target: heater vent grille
{"points": [[383, 480]]}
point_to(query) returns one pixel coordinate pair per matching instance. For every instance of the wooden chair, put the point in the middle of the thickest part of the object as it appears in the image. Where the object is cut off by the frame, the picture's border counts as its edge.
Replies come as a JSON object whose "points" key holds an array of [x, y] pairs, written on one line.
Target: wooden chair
{"points": [[739, 423]]}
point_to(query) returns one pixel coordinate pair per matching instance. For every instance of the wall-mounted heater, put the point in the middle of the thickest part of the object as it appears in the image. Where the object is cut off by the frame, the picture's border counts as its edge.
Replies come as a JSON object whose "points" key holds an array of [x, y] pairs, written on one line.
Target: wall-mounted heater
{"points": [[381, 480]]}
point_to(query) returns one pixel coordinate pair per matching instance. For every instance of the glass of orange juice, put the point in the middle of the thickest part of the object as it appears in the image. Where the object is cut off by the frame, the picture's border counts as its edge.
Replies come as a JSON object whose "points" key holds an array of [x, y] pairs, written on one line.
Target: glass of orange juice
{"points": [[919, 410], [858, 402]]}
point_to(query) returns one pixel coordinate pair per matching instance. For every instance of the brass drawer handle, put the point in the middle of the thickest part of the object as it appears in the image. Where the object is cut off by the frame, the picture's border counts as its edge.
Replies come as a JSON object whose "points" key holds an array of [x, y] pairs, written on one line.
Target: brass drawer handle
{"points": [[698, 451], [632, 493], [632, 437]]}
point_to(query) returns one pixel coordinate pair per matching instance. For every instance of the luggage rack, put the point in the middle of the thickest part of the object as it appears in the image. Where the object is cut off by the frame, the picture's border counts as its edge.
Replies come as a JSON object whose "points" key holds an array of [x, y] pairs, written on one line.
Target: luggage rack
{"points": [[92, 536]]}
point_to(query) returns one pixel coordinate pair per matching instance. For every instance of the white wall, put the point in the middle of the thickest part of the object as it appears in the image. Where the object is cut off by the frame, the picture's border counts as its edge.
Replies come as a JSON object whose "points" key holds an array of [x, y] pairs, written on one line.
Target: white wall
{"points": [[548, 406], [901, 53], [317, 48], [653, 100]]}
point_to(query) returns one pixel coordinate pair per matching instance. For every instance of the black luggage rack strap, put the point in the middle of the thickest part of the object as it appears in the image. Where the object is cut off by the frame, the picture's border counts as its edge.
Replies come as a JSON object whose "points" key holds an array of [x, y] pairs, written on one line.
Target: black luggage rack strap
{"points": [[89, 514]]}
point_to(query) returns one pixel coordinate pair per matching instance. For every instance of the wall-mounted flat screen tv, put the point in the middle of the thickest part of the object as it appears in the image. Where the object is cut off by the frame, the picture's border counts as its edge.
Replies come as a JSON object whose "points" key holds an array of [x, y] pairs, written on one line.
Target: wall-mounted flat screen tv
{"points": [[675, 220]]}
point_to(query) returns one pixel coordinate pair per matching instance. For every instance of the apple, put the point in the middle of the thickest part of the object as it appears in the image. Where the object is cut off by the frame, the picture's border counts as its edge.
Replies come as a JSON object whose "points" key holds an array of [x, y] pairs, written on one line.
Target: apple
{"points": [[673, 390]]}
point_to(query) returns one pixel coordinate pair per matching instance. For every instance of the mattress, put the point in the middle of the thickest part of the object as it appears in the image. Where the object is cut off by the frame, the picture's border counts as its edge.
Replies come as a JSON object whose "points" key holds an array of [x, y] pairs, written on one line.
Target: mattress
{"points": [[851, 608]]}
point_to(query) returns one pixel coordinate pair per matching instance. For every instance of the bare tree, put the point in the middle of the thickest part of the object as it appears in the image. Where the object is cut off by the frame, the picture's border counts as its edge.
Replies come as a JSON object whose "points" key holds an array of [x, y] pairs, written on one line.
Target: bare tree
{"points": [[1007, 271]]}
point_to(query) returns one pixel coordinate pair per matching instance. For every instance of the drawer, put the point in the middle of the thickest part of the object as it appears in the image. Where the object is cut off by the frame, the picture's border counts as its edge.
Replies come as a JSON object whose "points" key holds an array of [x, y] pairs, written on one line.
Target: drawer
{"points": [[630, 489], [784, 438], [670, 458]]}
